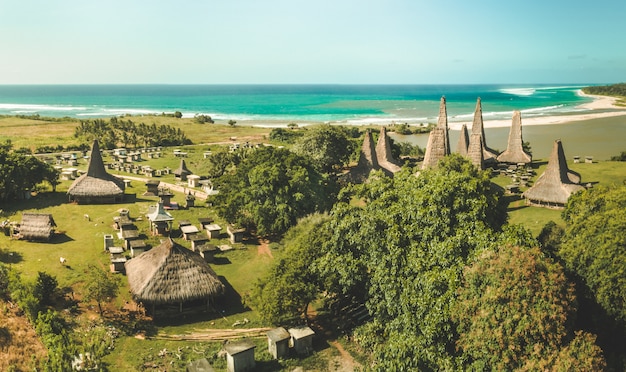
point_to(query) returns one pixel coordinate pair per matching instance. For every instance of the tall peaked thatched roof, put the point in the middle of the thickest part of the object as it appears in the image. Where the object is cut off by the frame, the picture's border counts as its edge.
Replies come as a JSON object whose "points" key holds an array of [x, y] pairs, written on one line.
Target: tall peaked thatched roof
{"points": [[438, 141], [442, 122], [478, 127], [96, 185], [171, 273], [557, 183], [368, 160], [36, 226], [475, 151], [182, 169], [463, 143], [514, 152], [383, 152]]}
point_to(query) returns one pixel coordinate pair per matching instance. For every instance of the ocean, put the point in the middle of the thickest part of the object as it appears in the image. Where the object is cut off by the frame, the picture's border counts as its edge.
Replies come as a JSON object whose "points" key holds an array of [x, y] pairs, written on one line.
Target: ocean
{"points": [[349, 104]]}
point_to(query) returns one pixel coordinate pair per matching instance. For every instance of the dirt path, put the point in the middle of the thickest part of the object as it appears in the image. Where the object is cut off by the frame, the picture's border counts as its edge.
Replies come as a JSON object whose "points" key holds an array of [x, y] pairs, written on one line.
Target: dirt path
{"points": [[344, 362], [264, 248]]}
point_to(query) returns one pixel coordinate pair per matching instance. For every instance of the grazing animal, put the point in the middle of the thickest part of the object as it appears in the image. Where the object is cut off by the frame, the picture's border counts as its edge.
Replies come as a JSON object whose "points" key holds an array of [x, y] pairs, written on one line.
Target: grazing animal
{"points": [[86, 216], [62, 260]]}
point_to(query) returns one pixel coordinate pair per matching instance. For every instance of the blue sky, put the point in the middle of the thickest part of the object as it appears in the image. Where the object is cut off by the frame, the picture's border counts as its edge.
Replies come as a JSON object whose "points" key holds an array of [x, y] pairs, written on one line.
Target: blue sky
{"points": [[322, 41]]}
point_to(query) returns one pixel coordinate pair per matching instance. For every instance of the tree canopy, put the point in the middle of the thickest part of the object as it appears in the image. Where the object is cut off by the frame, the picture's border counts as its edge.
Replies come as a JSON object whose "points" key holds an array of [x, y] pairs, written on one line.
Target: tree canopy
{"points": [[270, 189], [594, 244], [328, 147], [20, 173]]}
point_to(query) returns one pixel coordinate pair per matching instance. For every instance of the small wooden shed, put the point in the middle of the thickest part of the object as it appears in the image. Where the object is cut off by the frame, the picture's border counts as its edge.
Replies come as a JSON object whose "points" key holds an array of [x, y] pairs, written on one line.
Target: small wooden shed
{"points": [[278, 342], [302, 339], [240, 356]]}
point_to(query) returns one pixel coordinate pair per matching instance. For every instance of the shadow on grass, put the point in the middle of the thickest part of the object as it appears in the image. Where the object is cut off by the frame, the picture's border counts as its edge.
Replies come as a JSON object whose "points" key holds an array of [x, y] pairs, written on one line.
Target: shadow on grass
{"points": [[196, 311], [39, 201], [220, 260], [10, 257], [60, 238]]}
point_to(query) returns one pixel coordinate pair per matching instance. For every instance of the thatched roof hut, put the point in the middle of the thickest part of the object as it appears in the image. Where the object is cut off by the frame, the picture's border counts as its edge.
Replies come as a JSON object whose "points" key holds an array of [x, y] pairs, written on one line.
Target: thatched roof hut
{"points": [[368, 160], [514, 153], [383, 153], [96, 186], [489, 155], [556, 184], [170, 274], [37, 227], [438, 141], [463, 143], [182, 172]]}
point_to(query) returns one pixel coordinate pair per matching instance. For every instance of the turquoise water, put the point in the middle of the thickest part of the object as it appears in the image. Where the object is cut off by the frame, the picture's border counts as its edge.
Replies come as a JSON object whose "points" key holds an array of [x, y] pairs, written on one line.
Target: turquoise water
{"points": [[354, 104]]}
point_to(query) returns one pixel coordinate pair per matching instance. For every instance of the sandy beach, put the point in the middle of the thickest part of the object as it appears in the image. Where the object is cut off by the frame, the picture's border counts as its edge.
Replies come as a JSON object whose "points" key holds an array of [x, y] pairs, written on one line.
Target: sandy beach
{"points": [[599, 103]]}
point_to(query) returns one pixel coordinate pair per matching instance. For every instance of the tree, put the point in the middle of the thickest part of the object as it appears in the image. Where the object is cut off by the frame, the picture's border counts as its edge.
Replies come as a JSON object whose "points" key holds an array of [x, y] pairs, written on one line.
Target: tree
{"points": [[270, 190], [282, 296], [404, 252], [45, 288], [513, 308], [594, 244], [328, 147], [100, 285], [178, 114], [232, 123]]}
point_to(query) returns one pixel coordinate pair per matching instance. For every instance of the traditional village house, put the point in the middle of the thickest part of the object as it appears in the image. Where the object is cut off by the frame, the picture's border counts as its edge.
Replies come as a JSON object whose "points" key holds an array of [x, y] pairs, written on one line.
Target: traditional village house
{"points": [[556, 184], [172, 274], [182, 172], [463, 143], [438, 141], [160, 220], [302, 339], [36, 227], [240, 356], [96, 186], [278, 342], [514, 153], [489, 155]]}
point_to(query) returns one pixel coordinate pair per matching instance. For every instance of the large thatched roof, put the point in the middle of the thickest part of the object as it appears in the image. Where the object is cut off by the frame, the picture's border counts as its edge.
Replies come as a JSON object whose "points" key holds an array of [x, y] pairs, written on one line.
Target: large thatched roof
{"points": [[96, 184], [557, 183], [170, 273], [35, 226], [368, 160], [514, 152], [383, 153], [478, 127]]}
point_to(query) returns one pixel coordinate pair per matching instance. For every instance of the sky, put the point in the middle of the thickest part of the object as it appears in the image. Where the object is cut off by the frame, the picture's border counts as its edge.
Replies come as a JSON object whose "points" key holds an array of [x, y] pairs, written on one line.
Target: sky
{"points": [[320, 42]]}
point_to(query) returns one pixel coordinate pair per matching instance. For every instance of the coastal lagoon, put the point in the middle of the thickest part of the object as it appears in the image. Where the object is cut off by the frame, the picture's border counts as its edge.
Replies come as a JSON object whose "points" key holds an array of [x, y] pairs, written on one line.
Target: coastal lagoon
{"points": [[600, 138]]}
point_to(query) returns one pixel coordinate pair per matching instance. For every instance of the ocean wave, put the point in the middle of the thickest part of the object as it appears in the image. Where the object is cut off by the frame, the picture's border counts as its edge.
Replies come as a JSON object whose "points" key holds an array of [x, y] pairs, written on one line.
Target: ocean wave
{"points": [[35, 107], [524, 92]]}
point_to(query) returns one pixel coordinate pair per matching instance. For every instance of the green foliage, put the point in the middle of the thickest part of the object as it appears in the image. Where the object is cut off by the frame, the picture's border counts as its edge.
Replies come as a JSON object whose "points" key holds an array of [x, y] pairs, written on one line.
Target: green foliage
{"points": [[406, 149], [404, 252], [607, 90], [269, 190], [286, 136], [232, 123], [20, 173], [550, 238], [203, 119], [327, 146], [45, 288], [100, 285], [513, 307], [53, 330], [284, 293], [594, 245], [620, 157], [4, 281], [125, 133]]}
